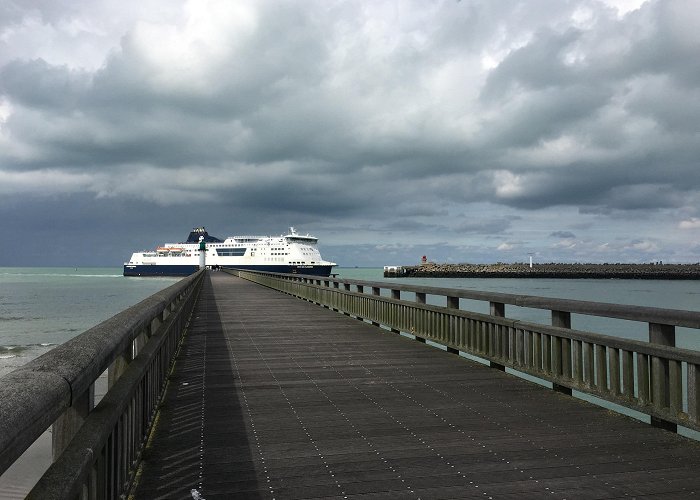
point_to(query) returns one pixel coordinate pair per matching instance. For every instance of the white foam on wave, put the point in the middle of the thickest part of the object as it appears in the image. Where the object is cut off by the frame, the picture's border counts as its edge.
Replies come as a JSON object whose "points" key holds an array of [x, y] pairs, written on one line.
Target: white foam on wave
{"points": [[10, 361]]}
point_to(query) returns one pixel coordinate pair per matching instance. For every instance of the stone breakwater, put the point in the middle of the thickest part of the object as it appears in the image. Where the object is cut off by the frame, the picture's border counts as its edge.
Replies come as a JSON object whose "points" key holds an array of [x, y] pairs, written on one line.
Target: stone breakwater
{"points": [[553, 270]]}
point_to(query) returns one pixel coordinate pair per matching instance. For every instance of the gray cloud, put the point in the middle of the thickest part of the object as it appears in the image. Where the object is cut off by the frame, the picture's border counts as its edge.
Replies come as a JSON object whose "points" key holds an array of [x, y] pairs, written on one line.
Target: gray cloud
{"points": [[393, 117], [496, 226], [563, 234]]}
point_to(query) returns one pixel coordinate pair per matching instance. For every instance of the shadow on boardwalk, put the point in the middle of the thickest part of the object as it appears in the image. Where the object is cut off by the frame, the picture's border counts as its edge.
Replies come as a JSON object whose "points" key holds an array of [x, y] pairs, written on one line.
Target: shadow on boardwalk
{"points": [[200, 434]]}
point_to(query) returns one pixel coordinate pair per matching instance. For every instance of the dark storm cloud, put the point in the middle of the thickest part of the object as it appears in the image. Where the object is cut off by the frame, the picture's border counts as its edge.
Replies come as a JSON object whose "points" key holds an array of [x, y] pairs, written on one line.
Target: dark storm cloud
{"points": [[413, 209], [538, 65], [633, 97], [563, 234], [494, 226], [40, 85], [545, 114], [405, 115]]}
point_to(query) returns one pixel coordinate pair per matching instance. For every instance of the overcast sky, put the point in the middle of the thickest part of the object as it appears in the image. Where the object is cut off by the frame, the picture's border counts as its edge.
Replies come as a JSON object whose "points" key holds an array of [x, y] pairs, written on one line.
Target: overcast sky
{"points": [[467, 131]]}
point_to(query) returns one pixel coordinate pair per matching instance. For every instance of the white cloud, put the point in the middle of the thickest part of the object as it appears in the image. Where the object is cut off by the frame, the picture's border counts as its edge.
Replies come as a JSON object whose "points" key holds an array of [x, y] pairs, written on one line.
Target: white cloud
{"points": [[692, 223], [643, 246], [506, 184], [79, 35], [567, 243], [625, 6], [5, 110]]}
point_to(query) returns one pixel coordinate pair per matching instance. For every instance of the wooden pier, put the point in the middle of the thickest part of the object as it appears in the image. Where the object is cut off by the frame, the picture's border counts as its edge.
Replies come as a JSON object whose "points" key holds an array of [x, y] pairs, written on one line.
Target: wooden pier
{"points": [[276, 397]]}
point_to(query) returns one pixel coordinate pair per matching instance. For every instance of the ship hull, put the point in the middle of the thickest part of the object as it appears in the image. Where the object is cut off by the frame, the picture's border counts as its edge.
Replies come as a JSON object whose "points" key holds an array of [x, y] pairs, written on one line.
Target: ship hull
{"points": [[186, 269], [159, 270]]}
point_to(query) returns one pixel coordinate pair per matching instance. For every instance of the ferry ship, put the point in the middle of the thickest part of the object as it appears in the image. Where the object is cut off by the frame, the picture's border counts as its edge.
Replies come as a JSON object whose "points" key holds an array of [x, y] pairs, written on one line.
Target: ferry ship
{"points": [[290, 253]]}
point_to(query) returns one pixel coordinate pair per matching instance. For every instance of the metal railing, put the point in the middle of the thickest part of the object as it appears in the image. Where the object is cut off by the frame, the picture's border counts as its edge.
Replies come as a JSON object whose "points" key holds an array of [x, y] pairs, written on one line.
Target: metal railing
{"points": [[96, 448], [654, 377]]}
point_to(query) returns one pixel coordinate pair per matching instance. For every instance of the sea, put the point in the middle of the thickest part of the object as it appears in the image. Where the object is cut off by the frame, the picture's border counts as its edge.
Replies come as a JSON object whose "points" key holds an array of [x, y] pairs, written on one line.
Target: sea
{"points": [[41, 308]]}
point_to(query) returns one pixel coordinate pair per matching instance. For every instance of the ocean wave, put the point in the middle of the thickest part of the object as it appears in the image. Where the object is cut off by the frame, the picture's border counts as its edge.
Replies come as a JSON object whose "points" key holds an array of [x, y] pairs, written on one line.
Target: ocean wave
{"points": [[68, 330], [14, 356], [69, 275], [5, 349], [22, 318]]}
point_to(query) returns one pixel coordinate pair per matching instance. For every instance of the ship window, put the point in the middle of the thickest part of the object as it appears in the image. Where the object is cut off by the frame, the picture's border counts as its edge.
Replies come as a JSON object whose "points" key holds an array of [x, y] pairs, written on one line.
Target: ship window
{"points": [[230, 252]]}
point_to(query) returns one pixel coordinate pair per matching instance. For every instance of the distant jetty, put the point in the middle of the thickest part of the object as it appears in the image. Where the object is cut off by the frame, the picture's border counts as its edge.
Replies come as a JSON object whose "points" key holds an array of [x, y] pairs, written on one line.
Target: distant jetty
{"points": [[656, 271]]}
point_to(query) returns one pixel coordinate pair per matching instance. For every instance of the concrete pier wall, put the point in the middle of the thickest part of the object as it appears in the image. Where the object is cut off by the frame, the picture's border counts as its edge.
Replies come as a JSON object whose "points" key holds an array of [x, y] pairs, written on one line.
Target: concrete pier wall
{"points": [[554, 270]]}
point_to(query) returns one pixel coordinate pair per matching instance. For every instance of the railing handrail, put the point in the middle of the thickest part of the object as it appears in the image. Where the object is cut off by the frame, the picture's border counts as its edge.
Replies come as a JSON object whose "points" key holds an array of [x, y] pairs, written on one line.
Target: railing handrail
{"points": [[644, 314], [36, 394], [675, 353]]}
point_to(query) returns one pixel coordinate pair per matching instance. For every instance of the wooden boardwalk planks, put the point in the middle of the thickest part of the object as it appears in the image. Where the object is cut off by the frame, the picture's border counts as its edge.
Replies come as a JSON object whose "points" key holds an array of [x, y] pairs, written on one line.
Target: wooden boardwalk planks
{"points": [[274, 397]]}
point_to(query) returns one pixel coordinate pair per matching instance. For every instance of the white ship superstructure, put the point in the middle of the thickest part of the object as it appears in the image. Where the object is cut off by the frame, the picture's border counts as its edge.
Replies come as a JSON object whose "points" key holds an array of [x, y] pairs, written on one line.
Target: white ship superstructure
{"points": [[290, 253]]}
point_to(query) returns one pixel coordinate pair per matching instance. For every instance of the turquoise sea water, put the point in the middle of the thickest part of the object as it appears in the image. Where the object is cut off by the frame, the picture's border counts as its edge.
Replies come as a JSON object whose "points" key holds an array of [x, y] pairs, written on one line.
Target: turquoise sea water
{"points": [[43, 307]]}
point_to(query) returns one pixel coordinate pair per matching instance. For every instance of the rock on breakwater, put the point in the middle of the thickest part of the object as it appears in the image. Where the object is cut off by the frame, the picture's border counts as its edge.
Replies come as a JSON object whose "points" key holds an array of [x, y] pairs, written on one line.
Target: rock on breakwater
{"points": [[555, 270]]}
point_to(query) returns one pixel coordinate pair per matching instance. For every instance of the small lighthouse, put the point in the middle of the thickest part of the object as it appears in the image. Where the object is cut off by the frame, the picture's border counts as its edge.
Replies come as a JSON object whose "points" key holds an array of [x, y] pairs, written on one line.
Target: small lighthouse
{"points": [[202, 253]]}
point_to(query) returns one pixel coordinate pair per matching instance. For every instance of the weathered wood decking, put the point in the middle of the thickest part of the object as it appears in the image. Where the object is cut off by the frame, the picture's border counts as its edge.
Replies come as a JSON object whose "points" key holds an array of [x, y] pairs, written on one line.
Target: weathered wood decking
{"points": [[274, 397]]}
